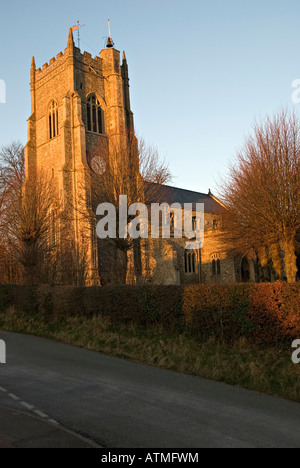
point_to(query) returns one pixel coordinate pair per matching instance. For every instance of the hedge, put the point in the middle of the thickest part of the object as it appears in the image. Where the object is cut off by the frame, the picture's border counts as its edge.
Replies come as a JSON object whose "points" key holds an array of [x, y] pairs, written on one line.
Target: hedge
{"points": [[265, 312]]}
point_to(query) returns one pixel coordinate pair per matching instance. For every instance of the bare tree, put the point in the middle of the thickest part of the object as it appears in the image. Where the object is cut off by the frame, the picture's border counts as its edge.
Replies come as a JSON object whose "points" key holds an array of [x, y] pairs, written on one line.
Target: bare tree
{"points": [[262, 195], [127, 171], [35, 242], [12, 173], [25, 215]]}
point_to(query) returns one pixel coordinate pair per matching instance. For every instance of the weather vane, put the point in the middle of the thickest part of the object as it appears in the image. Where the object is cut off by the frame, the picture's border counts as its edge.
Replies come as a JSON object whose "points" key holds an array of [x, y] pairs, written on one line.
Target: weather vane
{"points": [[77, 28]]}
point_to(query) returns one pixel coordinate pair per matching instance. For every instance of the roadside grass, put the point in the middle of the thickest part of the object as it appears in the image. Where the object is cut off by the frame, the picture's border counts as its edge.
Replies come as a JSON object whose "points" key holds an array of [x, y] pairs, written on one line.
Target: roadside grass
{"points": [[263, 368]]}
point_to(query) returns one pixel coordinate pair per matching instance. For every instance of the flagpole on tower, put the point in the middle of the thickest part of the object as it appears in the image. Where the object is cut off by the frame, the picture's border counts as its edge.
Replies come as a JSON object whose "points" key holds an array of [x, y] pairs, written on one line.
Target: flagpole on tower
{"points": [[109, 31]]}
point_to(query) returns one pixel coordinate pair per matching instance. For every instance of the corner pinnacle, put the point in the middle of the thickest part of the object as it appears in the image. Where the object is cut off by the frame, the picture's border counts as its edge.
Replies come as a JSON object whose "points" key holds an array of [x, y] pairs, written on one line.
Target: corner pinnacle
{"points": [[70, 38]]}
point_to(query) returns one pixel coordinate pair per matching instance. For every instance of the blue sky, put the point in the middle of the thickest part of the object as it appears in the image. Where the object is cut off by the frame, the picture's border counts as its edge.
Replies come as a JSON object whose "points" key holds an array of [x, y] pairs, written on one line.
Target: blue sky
{"points": [[201, 70]]}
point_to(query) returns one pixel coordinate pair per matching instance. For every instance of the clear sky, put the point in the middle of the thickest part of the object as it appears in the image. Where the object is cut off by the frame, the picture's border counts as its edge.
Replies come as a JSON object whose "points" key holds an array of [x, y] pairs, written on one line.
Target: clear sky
{"points": [[201, 70]]}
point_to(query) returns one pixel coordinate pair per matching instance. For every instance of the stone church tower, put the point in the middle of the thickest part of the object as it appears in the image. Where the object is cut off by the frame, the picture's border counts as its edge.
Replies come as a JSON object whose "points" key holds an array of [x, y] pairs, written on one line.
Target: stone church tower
{"points": [[78, 103]]}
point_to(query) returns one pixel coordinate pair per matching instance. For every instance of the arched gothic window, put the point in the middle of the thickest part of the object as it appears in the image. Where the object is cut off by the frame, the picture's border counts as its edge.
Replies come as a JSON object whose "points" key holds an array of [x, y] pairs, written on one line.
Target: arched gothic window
{"points": [[216, 266], [53, 120], [95, 120]]}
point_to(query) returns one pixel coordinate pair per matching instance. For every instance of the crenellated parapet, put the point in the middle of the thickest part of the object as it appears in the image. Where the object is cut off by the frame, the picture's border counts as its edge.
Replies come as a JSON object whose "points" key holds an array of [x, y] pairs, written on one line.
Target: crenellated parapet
{"points": [[82, 59]]}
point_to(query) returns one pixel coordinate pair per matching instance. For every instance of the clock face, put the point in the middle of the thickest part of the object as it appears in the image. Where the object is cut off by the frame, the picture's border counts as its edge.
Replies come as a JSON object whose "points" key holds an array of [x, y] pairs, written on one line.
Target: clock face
{"points": [[98, 165]]}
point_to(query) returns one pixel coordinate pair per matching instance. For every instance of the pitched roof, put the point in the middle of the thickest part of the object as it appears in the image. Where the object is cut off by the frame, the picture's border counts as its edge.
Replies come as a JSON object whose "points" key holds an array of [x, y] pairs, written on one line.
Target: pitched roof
{"points": [[166, 194]]}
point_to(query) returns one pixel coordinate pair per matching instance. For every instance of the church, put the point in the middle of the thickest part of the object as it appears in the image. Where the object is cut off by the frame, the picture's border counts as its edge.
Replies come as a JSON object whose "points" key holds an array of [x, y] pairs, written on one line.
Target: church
{"points": [[79, 102]]}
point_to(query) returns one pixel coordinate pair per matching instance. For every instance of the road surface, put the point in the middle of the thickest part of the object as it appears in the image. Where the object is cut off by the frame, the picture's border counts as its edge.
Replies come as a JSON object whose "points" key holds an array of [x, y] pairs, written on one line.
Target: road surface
{"points": [[120, 404]]}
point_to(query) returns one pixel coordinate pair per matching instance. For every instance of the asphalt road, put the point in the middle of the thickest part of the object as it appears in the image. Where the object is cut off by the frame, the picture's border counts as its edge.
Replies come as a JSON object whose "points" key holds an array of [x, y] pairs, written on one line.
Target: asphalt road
{"points": [[122, 404]]}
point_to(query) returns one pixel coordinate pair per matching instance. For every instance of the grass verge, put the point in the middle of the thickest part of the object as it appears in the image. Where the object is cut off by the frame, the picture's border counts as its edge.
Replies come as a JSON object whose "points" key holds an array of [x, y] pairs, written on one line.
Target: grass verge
{"points": [[263, 368]]}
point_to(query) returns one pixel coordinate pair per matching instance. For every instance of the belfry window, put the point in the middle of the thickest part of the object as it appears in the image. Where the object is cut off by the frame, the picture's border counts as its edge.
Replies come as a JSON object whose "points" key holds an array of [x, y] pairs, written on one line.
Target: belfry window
{"points": [[95, 118], [53, 120]]}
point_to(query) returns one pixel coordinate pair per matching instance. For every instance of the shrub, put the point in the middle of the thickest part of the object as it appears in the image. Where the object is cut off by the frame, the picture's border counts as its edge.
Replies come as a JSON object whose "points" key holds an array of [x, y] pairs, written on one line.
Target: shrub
{"points": [[275, 309], [263, 312]]}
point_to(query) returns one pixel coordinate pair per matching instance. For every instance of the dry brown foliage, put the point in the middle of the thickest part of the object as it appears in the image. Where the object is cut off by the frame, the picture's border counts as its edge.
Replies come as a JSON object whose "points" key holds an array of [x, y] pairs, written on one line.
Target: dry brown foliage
{"points": [[262, 195]]}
